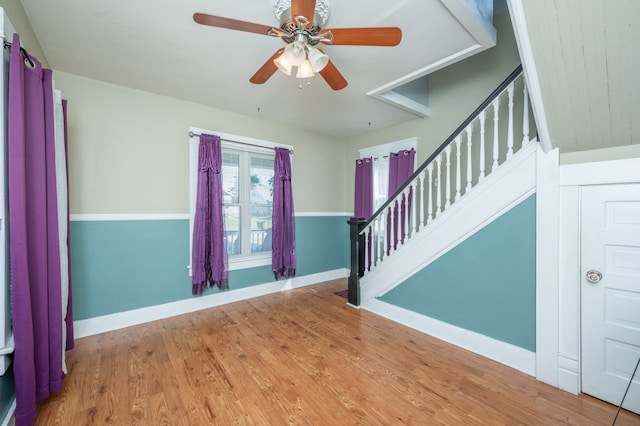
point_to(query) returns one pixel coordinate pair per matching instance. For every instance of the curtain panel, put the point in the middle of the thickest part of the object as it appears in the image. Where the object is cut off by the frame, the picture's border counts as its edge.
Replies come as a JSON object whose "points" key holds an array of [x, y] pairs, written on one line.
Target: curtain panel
{"points": [[283, 255], [401, 165], [37, 180], [209, 254], [363, 202]]}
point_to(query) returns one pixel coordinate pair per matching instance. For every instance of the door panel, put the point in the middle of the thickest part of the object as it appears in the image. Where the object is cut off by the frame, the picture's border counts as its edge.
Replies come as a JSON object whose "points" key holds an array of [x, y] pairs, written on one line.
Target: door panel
{"points": [[610, 308]]}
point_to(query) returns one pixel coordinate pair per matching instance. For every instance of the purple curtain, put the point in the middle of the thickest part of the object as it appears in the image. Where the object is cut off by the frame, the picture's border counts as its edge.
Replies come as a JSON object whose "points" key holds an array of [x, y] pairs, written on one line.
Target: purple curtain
{"points": [[363, 202], [401, 166], [208, 254], [36, 296], [283, 261]]}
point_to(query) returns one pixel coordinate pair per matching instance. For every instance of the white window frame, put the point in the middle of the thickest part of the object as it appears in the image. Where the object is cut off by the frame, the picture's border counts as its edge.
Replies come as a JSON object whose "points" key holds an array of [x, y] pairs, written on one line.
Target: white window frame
{"points": [[237, 143]]}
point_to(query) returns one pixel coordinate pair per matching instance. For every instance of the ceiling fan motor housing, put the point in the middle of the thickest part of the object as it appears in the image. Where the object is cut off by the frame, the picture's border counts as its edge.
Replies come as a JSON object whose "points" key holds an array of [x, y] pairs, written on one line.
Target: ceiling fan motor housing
{"points": [[292, 26]]}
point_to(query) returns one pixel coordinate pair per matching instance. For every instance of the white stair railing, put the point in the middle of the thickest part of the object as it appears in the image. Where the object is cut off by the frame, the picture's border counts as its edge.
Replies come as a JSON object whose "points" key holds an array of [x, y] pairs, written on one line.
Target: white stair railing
{"points": [[431, 187]]}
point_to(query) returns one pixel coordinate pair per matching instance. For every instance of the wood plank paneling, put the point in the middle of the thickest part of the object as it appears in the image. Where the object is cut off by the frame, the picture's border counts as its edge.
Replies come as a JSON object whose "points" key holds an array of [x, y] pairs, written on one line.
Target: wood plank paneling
{"points": [[587, 54], [591, 89], [620, 78], [548, 54], [633, 85], [299, 357]]}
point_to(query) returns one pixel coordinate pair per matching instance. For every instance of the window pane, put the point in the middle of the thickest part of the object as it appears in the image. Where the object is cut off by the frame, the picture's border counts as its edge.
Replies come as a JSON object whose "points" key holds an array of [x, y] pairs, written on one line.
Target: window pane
{"points": [[261, 180], [380, 182], [232, 229], [230, 177], [261, 228]]}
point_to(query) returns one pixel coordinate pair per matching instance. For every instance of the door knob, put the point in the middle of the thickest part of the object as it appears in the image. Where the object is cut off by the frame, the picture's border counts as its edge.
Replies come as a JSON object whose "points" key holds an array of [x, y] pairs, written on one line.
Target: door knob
{"points": [[594, 276]]}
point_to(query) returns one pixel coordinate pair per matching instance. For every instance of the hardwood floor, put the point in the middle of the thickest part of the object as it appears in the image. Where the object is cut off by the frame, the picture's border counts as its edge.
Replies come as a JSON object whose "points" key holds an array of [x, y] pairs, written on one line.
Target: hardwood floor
{"points": [[300, 357]]}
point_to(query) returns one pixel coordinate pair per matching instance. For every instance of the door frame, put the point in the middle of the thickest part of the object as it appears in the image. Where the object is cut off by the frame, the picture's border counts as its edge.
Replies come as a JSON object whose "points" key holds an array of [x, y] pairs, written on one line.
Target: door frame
{"points": [[571, 180]]}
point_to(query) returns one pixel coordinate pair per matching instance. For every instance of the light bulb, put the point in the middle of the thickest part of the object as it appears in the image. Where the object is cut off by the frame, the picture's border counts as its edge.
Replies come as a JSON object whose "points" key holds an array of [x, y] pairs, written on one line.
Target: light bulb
{"points": [[282, 64], [305, 70], [317, 59], [295, 54]]}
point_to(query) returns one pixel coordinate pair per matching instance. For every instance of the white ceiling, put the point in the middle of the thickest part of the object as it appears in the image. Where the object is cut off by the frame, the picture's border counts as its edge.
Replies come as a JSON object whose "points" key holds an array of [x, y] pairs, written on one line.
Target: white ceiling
{"points": [[154, 45]]}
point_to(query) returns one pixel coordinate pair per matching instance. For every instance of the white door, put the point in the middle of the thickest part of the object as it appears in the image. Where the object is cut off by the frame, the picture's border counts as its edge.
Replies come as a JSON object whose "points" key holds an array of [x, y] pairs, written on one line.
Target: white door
{"points": [[610, 310]]}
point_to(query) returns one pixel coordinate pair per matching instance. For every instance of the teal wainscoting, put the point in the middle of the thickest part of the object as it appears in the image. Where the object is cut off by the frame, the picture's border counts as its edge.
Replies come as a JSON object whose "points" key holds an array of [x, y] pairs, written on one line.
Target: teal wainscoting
{"points": [[486, 284], [322, 244], [123, 265]]}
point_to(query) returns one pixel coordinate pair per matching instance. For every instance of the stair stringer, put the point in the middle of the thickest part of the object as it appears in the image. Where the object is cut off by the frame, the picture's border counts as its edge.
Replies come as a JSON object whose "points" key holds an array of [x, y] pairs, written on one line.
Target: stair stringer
{"points": [[511, 183]]}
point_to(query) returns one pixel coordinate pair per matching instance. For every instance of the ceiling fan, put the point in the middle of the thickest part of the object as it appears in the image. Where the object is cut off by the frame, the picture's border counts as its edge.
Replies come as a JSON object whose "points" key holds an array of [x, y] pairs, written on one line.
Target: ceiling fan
{"points": [[302, 29]]}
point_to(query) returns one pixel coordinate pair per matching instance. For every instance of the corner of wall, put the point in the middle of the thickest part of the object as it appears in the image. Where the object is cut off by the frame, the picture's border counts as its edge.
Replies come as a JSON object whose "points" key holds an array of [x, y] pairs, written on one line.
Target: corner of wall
{"points": [[15, 13], [547, 266]]}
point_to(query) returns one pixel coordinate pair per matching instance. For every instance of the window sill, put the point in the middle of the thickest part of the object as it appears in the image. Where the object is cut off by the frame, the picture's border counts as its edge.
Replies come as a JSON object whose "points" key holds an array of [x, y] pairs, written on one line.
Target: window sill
{"points": [[235, 264], [249, 261]]}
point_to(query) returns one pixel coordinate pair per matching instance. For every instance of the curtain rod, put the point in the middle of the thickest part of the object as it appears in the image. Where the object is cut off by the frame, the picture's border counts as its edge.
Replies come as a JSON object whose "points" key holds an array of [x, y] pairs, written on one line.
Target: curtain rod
{"points": [[377, 158], [192, 134], [24, 52]]}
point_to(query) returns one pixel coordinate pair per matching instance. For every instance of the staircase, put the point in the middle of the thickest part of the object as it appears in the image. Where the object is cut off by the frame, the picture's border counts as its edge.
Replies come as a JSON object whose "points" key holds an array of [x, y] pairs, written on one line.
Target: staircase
{"points": [[481, 168]]}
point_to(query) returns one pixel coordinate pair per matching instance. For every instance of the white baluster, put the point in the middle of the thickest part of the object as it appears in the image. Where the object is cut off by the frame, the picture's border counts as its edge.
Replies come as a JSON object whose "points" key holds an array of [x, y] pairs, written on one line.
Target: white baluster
{"points": [[483, 117], [414, 224], [496, 146], [510, 131], [525, 115], [372, 237], [365, 249], [370, 258], [439, 185], [469, 132], [407, 215], [421, 177], [392, 233], [447, 195], [387, 230], [383, 234], [458, 142], [430, 206]]}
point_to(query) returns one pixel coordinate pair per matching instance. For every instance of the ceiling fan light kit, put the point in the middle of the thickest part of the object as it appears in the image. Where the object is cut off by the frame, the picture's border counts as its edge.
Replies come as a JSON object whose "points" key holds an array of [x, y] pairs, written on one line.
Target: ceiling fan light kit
{"points": [[317, 59], [296, 52], [305, 70], [282, 64], [301, 28]]}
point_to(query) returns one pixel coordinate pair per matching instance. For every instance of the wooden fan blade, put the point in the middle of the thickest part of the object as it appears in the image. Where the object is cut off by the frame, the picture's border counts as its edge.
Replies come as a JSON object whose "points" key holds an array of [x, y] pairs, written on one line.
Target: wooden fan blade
{"points": [[267, 70], [306, 8], [376, 36], [333, 77], [232, 24]]}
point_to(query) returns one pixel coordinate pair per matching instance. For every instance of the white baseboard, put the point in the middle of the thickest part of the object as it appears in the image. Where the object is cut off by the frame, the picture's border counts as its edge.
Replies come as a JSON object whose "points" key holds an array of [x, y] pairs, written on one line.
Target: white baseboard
{"points": [[504, 353], [568, 377], [102, 324]]}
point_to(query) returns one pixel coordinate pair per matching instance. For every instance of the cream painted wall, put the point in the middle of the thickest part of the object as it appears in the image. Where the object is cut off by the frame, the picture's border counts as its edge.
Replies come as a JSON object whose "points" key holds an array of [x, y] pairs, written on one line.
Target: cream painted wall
{"points": [[21, 24], [128, 151], [455, 92]]}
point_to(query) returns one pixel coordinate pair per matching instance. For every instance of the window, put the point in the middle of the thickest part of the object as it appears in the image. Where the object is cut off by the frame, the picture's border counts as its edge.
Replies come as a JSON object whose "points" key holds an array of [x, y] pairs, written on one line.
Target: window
{"points": [[247, 185], [380, 154]]}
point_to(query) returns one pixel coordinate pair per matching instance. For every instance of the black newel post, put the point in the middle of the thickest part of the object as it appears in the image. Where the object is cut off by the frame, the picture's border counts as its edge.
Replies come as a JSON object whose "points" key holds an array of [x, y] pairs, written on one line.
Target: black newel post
{"points": [[357, 259]]}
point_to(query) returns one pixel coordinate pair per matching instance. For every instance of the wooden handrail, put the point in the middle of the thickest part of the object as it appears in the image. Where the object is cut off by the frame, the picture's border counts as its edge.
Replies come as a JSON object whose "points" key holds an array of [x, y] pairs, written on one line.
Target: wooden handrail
{"points": [[514, 74], [358, 225]]}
